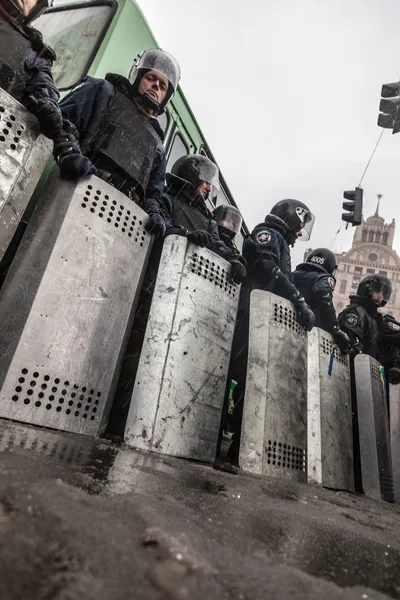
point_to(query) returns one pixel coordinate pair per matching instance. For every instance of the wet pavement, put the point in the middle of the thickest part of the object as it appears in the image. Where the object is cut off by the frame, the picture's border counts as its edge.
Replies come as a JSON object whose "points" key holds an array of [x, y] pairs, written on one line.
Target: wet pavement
{"points": [[87, 518]]}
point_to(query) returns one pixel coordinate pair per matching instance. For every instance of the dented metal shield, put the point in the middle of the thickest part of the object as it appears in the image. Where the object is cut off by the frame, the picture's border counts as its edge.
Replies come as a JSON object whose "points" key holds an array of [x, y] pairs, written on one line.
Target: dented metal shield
{"points": [[180, 383], [68, 303], [330, 429], [23, 157], [274, 426], [394, 411], [373, 429]]}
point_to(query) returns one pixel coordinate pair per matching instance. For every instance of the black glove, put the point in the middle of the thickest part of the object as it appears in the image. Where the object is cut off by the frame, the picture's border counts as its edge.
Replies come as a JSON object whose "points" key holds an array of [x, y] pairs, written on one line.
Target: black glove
{"points": [[156, 225], [304, 314], [65, 144], [74, 166], [200, 238], [341, 340], [238, 271], [48, 114], [393, 375]]}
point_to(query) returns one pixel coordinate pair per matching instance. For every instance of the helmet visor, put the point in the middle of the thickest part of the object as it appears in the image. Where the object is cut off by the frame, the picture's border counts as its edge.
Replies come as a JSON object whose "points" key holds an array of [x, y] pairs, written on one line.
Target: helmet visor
{"points": [[307, 219], [381, 287], [229, 218], [208, 172], [164, 63]]}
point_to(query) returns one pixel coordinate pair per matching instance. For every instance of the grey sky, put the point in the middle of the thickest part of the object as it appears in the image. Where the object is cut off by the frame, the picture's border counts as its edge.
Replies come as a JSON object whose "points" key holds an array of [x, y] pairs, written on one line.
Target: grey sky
{"points": [[287, 95]]}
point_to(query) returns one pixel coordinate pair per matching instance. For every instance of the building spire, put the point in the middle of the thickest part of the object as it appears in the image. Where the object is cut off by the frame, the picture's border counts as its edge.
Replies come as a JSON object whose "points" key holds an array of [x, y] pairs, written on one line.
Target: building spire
{"points": [[379, 196]]}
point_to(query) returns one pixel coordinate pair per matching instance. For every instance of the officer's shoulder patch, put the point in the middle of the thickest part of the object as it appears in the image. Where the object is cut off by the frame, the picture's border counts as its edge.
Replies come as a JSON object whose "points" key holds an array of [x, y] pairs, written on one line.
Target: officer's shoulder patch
{"points": [[331, 282], [263, 237], [351, 319], [394, 326]]}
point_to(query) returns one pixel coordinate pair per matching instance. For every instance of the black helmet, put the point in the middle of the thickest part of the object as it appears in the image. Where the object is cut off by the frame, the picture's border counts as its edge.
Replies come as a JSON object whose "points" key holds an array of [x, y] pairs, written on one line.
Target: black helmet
{"points": [[324, 258], [375, 283], [193, 170], [156, 60], [297, 217], [13, 10], [229, 220]]}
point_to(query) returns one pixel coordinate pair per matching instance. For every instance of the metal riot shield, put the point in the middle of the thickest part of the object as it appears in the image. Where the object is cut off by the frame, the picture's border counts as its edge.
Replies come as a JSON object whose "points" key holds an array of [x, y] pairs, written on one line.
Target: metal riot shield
{"points": [[67, 305], [179, 389], [274, 426], [394, 411], [373, 429], [23, 157], [330, 429]]}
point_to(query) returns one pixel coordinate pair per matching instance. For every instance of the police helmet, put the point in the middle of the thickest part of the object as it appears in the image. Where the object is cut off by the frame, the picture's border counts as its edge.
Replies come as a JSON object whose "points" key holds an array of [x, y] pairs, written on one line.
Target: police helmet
{"points": [[156, 60], [14, 10], [324, 258], [193, 170], [375, 283], [297, 217], [228, 219]]}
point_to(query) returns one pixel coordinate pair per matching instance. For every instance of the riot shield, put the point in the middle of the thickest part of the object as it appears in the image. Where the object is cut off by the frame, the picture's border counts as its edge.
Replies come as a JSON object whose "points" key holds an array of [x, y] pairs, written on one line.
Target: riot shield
{"points": [[394, 411], [373, 429], [67, 305], [274, 426], [23, 157], [179, 389], [330, 430]]}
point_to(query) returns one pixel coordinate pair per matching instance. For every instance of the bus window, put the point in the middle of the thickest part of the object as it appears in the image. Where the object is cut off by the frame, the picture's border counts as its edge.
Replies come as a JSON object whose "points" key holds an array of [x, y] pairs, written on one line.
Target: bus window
{"points": [[163, 120], [75, 33], [179, 148]]}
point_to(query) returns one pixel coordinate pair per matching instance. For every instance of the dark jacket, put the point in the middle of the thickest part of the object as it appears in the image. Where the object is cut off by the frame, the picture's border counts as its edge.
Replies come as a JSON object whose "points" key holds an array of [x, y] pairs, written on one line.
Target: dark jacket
{"points": [[389, 342], [268, 262], [86, 107], [25, 63], [362, 322], [317, 285]]}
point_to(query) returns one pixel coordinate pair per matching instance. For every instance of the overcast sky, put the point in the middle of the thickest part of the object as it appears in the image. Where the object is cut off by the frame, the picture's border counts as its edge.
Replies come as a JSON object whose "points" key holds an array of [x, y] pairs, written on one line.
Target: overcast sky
{"points": [[287, 94]]}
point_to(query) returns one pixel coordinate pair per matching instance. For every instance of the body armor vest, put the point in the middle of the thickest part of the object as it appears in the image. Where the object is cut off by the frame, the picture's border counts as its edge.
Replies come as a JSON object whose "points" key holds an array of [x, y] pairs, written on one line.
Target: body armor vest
{"points": [[189, 216], [126, 142], [14, 45]]}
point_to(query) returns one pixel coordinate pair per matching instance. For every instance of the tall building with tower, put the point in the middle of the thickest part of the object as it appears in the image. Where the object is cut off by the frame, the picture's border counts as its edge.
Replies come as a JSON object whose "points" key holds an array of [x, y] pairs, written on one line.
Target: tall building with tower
{"points": [[371, 252]]}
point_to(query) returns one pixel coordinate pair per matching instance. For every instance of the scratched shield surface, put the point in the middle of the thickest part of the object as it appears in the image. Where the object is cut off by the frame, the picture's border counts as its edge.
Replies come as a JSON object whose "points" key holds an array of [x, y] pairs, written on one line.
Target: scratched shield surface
{"points": [[67, 305], [23, 157], [180, 384]]}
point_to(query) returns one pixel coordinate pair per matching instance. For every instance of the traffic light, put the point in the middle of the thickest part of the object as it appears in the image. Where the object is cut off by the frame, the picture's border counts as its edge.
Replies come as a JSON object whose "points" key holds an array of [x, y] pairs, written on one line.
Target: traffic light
{"points": [[389, 116], [354, 206]]}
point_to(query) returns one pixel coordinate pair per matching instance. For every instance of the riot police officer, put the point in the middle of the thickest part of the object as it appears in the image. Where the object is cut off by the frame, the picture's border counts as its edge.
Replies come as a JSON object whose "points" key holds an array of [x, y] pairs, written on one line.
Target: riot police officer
{"points": [[389, 348], [315, 280], [361, 320], [26, 62], [119, 132], [229, 222], [193, 179], [267, 253]]}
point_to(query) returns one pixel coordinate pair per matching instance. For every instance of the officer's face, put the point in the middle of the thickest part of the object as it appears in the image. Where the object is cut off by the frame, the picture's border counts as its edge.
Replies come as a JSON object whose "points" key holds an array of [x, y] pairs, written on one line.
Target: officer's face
{"points": [[227, 223], [204, 189], [154, 85], [377, 297]]}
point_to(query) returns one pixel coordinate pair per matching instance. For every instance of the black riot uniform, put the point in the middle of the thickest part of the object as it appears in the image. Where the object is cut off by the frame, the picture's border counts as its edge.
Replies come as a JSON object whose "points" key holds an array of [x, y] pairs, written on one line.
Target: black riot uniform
{"points": [[267, 253], [185, 214], [361, 320], [389, 348], [315, 280], [119, 132], [229, 221]]}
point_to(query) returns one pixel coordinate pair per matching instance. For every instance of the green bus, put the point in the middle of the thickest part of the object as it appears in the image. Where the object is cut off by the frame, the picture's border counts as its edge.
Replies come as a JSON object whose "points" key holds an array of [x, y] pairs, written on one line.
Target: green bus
{"points": [[102, 36]]}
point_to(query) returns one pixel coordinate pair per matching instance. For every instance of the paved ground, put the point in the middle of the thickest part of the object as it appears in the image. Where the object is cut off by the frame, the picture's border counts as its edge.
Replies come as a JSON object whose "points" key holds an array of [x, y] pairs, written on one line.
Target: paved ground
{"points": [[86, 519]]}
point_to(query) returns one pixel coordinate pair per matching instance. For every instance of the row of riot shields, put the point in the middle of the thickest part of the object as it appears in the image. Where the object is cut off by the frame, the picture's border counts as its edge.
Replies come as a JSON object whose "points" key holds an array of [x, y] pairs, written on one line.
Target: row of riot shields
{"points": [[310, 415], [67, 307]]}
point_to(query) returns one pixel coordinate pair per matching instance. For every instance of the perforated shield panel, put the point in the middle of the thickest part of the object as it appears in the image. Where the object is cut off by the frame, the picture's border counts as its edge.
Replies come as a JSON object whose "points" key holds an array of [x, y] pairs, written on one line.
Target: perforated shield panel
{"points": [[274, 427], [330, 432], [67, 305], [373, 426], [23, 156], [179, 389]]}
